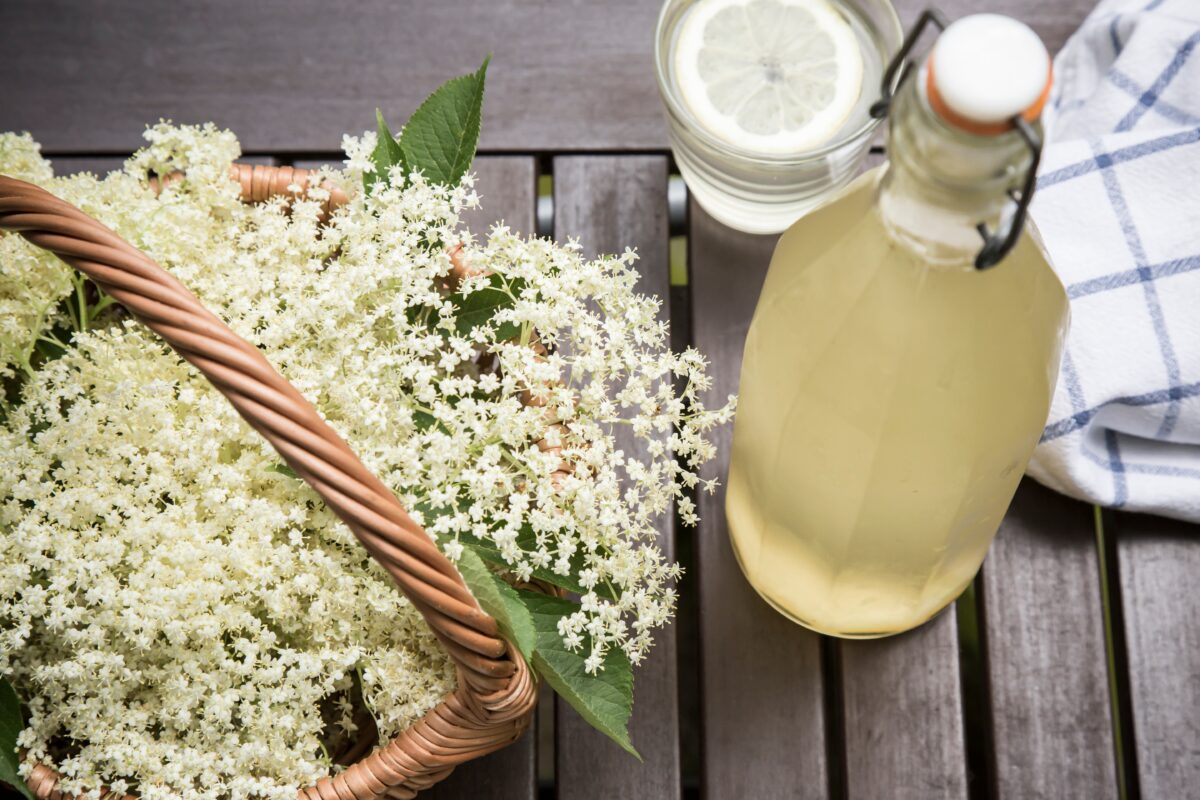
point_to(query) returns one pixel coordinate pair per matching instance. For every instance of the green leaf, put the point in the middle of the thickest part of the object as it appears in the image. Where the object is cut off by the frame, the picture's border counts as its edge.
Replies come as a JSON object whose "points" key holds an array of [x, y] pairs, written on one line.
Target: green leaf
{"points": [[605, 699], [10, 393], [386, 155], [440, 137], [423, 421], [500, 600], [478, 307], [10, 726], [526, 540], [429, 316], [47, 351], [284, 469]]}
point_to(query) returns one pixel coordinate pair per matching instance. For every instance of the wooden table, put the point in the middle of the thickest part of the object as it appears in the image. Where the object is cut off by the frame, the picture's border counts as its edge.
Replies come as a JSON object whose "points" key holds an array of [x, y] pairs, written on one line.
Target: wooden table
{"points": [[1072, 669]]}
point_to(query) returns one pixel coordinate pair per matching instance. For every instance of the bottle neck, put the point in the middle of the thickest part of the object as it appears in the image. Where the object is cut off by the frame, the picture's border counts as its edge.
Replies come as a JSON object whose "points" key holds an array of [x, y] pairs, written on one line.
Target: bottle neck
{"points": [[941, 182]]}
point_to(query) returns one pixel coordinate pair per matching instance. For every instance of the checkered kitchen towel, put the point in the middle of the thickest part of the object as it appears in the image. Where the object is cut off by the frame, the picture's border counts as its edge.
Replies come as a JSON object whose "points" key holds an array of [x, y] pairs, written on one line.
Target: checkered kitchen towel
{"points": [[1118, 205]]}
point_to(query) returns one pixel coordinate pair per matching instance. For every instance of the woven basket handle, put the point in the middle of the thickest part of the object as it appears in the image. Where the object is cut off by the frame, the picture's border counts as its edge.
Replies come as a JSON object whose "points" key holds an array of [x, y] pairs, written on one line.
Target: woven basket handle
{"points": [[496, 692], [274, 408]]}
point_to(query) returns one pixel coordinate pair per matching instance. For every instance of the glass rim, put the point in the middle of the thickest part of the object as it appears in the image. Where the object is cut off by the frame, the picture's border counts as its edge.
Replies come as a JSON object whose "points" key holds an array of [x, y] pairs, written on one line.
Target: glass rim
{"points": [[677, 109]]}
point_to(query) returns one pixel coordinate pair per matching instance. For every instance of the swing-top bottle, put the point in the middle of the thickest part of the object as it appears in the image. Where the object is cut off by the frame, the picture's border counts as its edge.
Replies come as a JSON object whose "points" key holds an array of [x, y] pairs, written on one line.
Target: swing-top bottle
{"points": [[901, 360]]}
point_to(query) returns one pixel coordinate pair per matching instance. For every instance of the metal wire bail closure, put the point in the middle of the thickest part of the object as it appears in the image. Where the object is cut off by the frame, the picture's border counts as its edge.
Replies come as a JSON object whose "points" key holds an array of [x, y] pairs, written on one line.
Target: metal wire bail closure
{"points": [[998, 244]]}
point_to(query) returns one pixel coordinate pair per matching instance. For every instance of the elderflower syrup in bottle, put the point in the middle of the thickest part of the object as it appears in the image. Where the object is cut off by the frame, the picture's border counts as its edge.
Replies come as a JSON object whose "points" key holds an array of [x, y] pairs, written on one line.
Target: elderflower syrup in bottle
{"points": [[899, 367]]}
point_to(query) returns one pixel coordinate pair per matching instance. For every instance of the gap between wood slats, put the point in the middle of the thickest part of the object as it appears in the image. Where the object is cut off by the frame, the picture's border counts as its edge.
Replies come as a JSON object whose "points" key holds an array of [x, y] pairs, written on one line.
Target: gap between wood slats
{"points": [[1118, 671], [836, 756], [972, 667], [687, 619]]}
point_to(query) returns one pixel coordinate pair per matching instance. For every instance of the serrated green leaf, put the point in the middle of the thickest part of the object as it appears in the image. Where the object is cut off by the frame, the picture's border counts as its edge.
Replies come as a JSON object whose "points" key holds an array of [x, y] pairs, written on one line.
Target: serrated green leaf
{"points": [[47, 350], [10, 392], [11, 724], [605, 699], [429, 317], [478, 307], [440, 138], [423, 421], [284, 469], [526, 541], [387, 154], [500, 600]]}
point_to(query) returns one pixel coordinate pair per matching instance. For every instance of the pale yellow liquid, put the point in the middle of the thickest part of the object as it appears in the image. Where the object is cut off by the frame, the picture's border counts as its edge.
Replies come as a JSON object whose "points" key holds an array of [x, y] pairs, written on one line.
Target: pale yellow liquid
{"points": [[887, 410]]}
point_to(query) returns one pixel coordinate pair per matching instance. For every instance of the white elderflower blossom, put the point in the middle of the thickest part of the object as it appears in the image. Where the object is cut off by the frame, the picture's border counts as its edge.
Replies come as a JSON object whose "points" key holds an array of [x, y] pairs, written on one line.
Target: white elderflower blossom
{"points": [[186, 620]]}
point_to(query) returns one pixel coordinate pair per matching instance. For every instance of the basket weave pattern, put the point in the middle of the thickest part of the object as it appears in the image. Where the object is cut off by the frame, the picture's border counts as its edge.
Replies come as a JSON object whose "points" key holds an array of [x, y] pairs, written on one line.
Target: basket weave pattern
{"points": [[496, 693]]}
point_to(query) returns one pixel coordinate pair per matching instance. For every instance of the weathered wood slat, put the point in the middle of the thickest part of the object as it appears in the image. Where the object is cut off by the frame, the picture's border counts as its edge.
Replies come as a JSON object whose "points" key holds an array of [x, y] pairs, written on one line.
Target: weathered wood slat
{"points": [[292, 76], [317, 163], [1047, 663], [498, 181], [1054, 21], [507, 773], [762, 684], [506, 187], [903, 714], [1158, 561], [610, 203], [99, 166]]}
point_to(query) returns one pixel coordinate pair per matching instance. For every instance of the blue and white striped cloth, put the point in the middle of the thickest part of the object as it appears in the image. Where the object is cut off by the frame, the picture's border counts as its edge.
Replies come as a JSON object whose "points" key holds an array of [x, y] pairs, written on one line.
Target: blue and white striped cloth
{"points": [[1118, 205]]}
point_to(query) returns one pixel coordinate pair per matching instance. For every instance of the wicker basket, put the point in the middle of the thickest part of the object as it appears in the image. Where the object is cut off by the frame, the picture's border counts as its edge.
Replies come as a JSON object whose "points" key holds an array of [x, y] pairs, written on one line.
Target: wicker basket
{"points": [[496, 693]]}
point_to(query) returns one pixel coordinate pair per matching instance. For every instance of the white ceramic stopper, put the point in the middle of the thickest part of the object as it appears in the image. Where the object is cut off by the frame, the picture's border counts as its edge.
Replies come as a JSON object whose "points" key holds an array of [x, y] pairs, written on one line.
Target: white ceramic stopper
{"points": [[988, 68]]}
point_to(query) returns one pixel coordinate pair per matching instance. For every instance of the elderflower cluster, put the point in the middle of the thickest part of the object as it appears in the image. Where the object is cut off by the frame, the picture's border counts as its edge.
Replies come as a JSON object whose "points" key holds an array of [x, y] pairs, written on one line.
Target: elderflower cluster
{"points": [[185, 619]]}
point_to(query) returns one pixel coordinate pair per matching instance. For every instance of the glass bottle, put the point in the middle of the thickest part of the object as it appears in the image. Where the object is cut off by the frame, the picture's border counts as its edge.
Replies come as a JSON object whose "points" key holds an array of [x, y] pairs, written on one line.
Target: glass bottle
{"points": [[892, 391]]}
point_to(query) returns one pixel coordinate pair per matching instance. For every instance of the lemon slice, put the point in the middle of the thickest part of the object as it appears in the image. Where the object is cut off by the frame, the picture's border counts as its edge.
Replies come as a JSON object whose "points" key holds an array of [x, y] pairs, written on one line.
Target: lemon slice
{"points": [[769, 76]]}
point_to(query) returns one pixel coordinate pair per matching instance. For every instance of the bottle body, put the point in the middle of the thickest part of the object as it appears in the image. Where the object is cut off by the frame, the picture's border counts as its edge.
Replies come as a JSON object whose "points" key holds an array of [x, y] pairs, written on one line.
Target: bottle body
{"points": [[888, 407]]}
